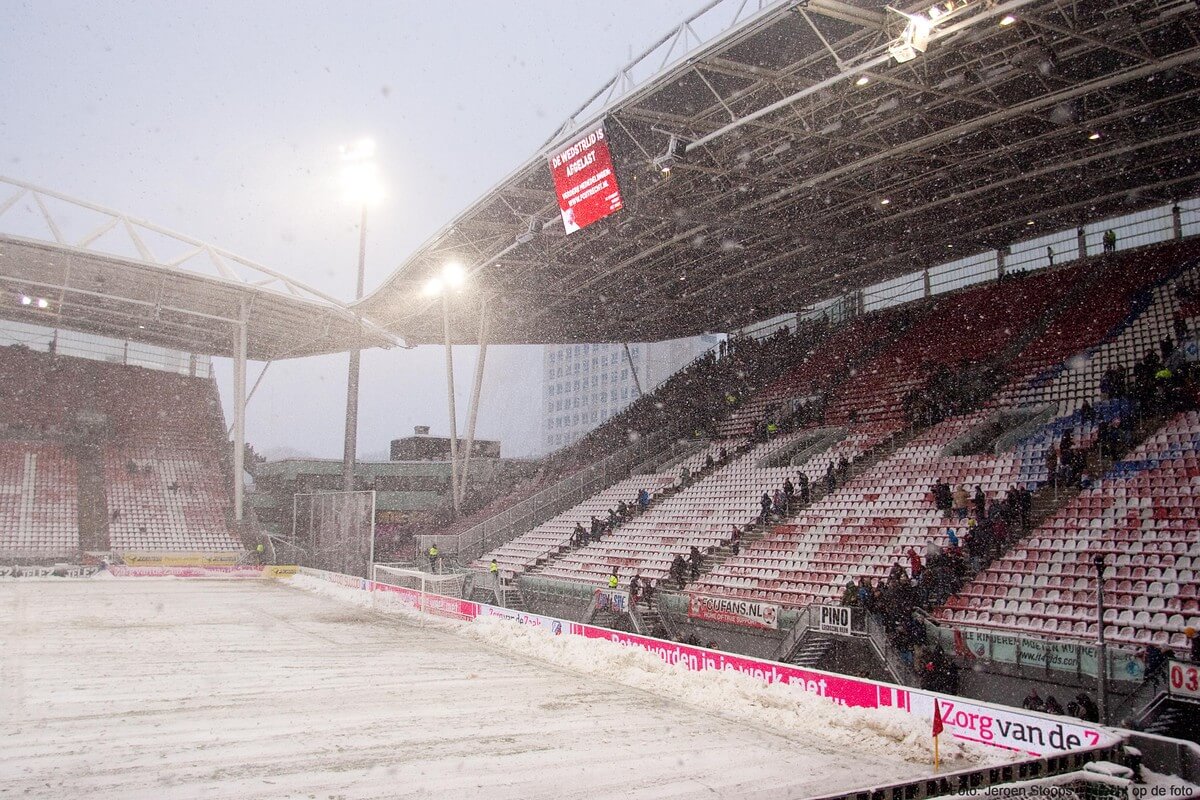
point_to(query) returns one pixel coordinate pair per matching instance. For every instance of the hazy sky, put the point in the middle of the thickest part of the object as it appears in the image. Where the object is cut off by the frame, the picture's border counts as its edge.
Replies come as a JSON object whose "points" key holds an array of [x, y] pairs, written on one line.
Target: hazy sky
{"points": [[222, 120]]}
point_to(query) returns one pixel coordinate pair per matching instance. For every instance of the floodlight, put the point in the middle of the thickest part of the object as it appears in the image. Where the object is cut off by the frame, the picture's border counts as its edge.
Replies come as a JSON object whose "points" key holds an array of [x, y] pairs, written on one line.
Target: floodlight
{"points": [[362, 150], [26, 300], [454, 275], [902, 52], [361, 183], [43, 302], [1006, 20], [433, 287], [1094, 135], [863, 80], [676, 149]]}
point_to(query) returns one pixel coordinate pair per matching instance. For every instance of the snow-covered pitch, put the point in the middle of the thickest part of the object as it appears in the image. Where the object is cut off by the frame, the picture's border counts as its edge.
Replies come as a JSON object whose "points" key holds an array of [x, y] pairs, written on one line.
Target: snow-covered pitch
{"points": [[258, 689]]}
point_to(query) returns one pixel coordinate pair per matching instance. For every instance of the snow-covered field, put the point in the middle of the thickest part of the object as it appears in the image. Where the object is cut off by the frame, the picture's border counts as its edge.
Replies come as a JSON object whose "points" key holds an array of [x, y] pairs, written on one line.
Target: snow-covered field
{"points": [[170, 688]]}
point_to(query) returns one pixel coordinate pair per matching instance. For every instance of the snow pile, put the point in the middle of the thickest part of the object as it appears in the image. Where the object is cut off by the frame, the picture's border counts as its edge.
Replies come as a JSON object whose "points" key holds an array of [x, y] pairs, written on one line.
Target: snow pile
{"points": [[780, 708]]}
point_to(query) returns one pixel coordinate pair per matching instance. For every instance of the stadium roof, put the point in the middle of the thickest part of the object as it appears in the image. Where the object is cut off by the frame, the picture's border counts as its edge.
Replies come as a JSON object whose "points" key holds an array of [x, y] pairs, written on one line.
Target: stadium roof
{"points": [[800, 126], [65, 263]]}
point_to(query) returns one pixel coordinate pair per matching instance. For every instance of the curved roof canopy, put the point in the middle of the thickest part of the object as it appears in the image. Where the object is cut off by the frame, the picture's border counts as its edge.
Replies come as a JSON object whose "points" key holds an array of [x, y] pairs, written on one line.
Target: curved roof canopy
{"points": [[66, 263], [799, 126]]}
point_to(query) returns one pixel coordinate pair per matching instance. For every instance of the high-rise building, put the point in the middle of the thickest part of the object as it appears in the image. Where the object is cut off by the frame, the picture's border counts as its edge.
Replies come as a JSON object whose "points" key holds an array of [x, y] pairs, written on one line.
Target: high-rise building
{"points": [[585, 384]]}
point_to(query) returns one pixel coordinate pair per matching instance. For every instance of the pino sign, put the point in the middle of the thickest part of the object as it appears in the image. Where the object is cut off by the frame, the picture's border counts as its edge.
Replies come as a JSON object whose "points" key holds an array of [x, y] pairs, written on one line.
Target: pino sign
{"points": [[584, 181], [834, 619]]}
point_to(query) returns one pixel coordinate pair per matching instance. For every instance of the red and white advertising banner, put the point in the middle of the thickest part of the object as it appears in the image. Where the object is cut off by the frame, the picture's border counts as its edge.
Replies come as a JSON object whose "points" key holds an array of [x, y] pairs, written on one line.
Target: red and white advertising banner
{"points": [[1184, 680], [584, 180], [734, 611]]}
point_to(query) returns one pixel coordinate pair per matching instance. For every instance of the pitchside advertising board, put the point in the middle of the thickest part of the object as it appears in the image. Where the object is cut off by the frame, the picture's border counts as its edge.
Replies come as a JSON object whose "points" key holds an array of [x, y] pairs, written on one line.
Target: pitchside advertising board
{"points": [[584, 181], [1184, 680], [995, 726], [732, 611]]}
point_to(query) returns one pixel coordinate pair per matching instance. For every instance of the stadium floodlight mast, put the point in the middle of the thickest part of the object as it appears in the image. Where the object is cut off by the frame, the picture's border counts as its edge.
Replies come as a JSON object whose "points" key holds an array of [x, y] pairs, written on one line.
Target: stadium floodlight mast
{"points": [[451, 278], [361, 185]]}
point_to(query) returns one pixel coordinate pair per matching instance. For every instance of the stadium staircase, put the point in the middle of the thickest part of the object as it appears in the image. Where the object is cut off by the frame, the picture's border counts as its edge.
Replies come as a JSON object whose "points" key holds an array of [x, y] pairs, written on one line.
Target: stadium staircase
{"points": [[93, 514], [1168, 716], [812, 650]]}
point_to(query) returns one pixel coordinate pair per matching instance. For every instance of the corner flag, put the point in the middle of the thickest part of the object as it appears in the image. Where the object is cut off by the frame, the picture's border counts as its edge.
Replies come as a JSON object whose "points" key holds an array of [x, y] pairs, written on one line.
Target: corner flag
{"points": [[937, 730]]}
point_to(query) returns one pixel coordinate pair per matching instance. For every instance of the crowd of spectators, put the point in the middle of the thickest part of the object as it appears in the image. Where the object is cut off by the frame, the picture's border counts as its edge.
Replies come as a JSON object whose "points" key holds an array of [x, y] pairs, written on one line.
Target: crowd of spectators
{"points": [[949, 392], [977, 531]]}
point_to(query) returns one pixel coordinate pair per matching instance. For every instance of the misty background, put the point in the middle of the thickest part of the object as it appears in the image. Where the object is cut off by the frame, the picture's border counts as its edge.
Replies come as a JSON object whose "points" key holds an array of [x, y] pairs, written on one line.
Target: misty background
{"points": [[223, 121]]}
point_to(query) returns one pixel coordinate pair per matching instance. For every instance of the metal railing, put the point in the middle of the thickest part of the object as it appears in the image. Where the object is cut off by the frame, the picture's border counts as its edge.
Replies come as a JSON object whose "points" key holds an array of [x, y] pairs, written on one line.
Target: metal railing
{"points": [[1139, 229]]}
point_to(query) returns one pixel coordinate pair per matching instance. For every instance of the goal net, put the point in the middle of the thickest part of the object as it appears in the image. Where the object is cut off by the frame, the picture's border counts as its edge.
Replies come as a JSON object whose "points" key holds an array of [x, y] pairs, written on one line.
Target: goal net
{"points": [[333, 531], [450, 585]]}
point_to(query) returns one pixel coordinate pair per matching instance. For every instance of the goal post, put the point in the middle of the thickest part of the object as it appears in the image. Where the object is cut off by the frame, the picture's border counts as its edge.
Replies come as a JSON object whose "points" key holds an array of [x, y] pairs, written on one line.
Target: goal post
{"points": [[334, 531], [449, 584]]}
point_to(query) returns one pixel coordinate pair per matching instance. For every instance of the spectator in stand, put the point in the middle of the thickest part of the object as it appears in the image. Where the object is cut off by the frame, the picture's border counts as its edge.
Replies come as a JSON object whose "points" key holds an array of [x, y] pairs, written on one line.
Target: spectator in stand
{"points": [[613, 580], [843, 469], [579, 536], [960, 502], [1155, 660], [613, 521], [685, 477], [1025, 509], [1193, 644], [1166, 347], [1181, 329], [622, 511], [594, 534], [980, 502], [850, 593], [635, 586], [952, 537], [789, 491], [866, 594], [805, 489], [1053, 706], [643, 500], [830, 479], [694, 561], [723, 457], [779, 503], [1033, 702], [678, 569], [1087, 414], [914, 562], [942, 498], [1052, 464], [1088, 712], [648, 589], [1110, 241], [765, 503]]}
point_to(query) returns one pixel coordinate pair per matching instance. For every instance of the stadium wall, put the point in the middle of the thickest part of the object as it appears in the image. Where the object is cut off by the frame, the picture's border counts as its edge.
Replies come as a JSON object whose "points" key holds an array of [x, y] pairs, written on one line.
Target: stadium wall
{"points": [[1010, 729]]}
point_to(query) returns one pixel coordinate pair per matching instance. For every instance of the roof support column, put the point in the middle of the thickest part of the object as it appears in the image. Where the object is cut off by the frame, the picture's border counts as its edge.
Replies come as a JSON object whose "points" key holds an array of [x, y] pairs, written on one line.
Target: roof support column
{"points": [[633, 369], [239, 417], [350, 445], [473, 408], [1081, 241], [450, 402]]}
